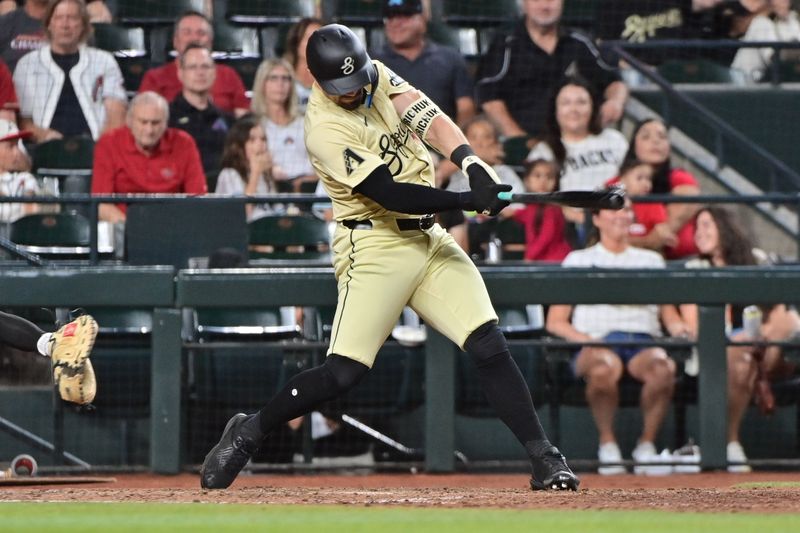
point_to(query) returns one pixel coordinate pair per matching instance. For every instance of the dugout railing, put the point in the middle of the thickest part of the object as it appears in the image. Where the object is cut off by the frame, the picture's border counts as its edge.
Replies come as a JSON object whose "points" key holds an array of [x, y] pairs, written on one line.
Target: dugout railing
{"points": [[304, 202]]}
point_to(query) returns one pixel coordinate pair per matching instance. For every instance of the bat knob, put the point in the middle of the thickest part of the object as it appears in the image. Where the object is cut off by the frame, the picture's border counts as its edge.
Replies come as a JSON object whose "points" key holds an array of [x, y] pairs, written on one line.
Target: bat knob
{"points": [[615, 199], [505, 195]]}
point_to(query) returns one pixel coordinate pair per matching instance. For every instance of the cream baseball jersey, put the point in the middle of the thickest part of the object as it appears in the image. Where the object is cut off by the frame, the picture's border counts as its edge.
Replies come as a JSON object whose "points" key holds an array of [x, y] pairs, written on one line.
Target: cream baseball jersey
{"points": [[346, 146]]}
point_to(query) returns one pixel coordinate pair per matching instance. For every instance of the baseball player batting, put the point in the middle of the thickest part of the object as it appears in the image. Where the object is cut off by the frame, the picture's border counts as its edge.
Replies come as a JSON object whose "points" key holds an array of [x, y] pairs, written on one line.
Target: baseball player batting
{"points": [[364, 129]]}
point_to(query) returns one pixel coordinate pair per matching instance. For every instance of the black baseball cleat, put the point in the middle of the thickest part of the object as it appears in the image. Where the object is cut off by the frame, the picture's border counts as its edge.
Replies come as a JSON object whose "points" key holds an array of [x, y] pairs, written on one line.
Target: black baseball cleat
{"points": [[234, 449], [550, 471]]}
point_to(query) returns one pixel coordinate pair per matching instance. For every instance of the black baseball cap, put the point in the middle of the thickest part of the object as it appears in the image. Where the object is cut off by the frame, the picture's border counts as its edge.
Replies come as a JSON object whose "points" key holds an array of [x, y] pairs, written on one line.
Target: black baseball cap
{"points": [[401, 7]]}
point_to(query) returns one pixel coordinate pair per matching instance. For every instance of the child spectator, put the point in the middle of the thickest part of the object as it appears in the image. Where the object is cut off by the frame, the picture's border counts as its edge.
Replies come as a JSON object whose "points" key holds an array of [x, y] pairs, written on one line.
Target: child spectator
{"points": [[544, 224], [247, 165], [14, 182], [650, 143], [650, 228]]}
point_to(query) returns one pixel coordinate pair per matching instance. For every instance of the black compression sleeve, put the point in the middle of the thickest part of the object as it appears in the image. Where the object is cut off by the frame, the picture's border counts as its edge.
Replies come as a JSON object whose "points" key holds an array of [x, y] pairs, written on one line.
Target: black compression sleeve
{"points": [[409, 198]]}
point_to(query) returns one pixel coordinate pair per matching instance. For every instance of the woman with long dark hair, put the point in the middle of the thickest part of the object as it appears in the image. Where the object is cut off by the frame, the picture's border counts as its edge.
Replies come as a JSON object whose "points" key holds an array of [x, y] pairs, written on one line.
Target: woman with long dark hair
{"points": [[650, 144], [247, 165], [723, 242], [587, 154]]}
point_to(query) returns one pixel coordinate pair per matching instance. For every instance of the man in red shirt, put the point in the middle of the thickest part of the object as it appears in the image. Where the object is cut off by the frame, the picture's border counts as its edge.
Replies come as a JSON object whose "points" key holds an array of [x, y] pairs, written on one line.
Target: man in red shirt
{"points": [[228, 90], [145, 156]]}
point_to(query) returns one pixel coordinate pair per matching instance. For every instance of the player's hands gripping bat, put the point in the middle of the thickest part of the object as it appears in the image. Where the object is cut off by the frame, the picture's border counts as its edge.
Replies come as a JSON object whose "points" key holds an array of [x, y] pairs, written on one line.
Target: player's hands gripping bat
{"points": [[73, 373], [485, 186], [605, 199]]}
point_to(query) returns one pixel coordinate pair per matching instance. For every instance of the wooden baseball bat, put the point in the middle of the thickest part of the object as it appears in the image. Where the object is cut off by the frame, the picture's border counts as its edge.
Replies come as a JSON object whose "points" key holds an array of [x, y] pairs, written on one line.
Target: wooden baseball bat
{"points": [[607, 199]]}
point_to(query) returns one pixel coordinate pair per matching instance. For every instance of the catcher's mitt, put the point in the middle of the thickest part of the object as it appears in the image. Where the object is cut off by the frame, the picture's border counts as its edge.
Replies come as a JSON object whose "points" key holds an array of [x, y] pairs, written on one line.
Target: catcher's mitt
{"points": [[70, 347]]}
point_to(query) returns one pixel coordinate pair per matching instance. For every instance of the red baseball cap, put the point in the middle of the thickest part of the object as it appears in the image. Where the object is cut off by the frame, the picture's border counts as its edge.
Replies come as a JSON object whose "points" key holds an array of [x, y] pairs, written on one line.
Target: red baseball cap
{"points": [[10, 132]]}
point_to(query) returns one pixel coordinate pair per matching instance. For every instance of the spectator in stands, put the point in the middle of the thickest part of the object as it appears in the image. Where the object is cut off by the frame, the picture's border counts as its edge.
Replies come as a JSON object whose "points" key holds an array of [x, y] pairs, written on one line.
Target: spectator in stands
{"points": [[67, 88], [787, 26], [485, 141], [21, 31], [650, 144], [650, 229], [14, 180], [194, 112], [8, 96], [587, 154], [519, 71], [638, 21], [145, 156], [98, 12], [603, 367], [7, 6], [484, 138], [722, 241], [275, 103], [544, 224], [757, 24], [573, 137], [295, 54], [247, 166], [438, 71], [228, 92]]}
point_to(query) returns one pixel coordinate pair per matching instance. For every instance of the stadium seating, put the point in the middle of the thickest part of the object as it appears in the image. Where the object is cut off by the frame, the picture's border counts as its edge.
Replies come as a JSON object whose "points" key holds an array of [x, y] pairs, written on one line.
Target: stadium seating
{"points": [[121, 360], [477, 14], [154, 12], [289, 237], [120, 40], [61, 235], [697, 71], [268, 12]]}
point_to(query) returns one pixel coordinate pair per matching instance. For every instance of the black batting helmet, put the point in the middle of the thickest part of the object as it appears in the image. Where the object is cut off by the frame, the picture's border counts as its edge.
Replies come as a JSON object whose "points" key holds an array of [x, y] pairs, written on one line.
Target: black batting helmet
{"points": [[338, 60]]}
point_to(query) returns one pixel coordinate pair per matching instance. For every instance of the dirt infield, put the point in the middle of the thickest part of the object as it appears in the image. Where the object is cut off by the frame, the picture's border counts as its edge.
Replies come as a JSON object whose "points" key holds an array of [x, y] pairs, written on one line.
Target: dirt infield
{"points": [[707, 492]]}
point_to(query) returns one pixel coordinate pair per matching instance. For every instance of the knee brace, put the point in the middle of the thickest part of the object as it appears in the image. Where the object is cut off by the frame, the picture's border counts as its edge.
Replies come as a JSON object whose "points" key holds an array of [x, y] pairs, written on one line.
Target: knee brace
{"points": [[485, 343], [346, 372]]}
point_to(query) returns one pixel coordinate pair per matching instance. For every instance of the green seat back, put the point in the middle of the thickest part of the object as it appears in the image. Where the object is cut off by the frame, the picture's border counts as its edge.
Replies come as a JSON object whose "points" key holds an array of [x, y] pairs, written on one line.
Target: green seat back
{"points": [[289, 237], [64, 157], [268, 12], [358, 12], [58, 229], [119, 40], [695, 71], [476, 14], [154, 12]]}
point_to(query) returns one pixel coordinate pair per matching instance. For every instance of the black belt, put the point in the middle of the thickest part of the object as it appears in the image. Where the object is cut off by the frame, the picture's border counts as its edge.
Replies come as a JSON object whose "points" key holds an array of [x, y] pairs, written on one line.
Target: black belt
{"points": [[403, 224]]}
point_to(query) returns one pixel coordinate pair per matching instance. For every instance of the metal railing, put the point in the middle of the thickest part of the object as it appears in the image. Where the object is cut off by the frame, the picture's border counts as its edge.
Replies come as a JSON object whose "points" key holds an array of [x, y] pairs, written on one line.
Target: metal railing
{"points": [[721, 129], [791, 200]]}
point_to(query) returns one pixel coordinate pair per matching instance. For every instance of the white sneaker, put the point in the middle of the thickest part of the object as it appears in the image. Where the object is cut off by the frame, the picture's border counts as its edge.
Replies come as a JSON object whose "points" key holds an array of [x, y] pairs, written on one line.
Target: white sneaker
{"points": [[644, 453], [737, 459], [609, 453], [688, 459]]}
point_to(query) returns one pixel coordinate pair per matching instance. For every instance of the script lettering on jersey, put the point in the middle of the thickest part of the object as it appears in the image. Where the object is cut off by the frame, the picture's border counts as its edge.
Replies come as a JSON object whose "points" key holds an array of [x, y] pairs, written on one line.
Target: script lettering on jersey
{"points": [[639, 28], [351, 160], [590, 159]]}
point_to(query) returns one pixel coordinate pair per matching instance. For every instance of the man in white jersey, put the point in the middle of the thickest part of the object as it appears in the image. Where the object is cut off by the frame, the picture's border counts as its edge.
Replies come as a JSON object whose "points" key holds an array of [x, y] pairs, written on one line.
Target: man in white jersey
{"points": [[365, 128], [603, 367]]}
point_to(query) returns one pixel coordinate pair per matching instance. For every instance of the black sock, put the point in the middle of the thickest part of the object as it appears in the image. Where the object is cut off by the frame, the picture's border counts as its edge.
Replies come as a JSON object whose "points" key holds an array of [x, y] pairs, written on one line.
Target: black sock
{"points": [[20, 333], [308, 389], [508, 394]]}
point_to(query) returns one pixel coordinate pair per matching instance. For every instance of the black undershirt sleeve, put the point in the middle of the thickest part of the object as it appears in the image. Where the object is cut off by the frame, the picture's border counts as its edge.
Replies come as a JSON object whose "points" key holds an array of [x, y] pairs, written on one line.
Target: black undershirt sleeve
{"points": [[409, 198]]}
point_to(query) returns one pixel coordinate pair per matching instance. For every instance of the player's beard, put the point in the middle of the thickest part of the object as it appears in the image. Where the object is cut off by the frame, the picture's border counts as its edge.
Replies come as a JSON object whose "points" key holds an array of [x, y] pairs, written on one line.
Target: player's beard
{"points": [[350, 103]]}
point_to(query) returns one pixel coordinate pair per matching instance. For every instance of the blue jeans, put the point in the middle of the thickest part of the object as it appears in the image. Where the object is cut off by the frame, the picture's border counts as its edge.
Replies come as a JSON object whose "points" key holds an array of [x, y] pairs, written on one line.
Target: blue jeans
{"points": [[625, 353]]}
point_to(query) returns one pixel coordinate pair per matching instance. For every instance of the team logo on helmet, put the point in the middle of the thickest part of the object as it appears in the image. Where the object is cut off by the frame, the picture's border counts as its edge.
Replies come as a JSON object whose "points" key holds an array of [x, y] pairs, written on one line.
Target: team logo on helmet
{"points": [[348, 67]]}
